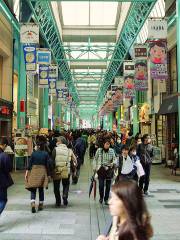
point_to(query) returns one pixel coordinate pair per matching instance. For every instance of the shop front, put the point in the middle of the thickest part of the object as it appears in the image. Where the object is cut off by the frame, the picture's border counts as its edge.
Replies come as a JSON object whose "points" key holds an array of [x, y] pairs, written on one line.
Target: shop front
{"points": [[6, 109]]}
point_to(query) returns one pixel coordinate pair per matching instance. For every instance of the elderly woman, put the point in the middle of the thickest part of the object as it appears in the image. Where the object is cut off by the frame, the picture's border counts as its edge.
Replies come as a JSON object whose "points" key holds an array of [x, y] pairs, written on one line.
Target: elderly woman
{"points": [[37, 174], [103, 165]]}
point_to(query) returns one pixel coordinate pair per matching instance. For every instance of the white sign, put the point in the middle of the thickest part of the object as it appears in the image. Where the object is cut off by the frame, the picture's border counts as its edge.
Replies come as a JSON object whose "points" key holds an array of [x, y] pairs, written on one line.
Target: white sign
{"points": [[157, 29], [29, 33]]}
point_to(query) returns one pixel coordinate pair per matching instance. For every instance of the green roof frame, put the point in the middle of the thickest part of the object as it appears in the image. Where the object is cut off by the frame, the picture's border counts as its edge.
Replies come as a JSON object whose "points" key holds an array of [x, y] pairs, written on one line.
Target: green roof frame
{"points": [[43, 15], [138, 13]]}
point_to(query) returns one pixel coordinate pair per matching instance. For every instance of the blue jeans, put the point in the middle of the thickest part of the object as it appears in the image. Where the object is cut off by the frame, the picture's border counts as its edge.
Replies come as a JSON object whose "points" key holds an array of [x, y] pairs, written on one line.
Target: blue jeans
{"points": [[41, 194], [3, 199], [2, 205]]}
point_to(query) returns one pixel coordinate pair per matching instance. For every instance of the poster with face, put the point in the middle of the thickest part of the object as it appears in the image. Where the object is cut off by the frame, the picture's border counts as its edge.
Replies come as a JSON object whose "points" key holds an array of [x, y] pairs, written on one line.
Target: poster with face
{"points": [[129, 88], [117, 97], [141, 75], [158, 59]]}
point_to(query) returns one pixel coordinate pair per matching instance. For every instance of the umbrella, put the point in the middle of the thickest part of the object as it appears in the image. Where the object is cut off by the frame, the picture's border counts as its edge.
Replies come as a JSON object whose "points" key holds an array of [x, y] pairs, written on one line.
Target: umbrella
{"points": [[92, 186]]}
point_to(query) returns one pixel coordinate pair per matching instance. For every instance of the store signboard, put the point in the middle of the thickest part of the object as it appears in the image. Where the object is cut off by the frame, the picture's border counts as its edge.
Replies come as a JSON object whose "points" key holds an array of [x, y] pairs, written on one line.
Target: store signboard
{"points": [[44, 56], [129, 87], [140, 51], [30, 58], [157, 29], [43, 76], [29, 33], [21, 147], [158, 59]]}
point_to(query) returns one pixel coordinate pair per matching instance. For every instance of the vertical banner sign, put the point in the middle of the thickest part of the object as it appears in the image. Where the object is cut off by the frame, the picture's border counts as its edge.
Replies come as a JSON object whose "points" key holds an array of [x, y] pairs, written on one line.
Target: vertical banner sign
{"points": [[158, 59], [44, 56], [53, 75], [117, 96], [30, 58], [129, 88], [43, 76], [29, 33], [157, 29], [52, 86], [141, 70]]}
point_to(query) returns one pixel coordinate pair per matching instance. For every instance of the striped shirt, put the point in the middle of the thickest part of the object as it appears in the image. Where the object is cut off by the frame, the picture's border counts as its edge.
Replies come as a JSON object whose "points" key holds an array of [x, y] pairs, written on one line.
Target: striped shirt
{"points": [[104, 158]]}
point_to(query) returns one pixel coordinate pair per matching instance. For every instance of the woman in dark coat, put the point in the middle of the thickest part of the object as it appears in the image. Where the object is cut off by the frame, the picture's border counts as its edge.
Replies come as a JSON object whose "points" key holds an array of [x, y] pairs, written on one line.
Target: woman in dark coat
{"points": [[5, 177], [37, 174]]}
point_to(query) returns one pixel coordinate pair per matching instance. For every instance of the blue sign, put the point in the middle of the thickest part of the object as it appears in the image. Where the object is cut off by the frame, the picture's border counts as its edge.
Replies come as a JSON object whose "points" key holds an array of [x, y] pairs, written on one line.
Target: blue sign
{"points": [[44, 57], [43, 76], [30, 57]]}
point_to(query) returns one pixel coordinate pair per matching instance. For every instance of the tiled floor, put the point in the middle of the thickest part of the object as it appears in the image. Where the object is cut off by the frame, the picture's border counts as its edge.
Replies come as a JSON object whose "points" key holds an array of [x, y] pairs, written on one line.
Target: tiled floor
{"points": [[83, 218]]}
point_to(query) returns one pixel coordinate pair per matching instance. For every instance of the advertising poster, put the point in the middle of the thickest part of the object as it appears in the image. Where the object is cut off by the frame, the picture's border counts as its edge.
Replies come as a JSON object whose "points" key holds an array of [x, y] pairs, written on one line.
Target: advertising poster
{"points": [[21, 147], [43, 76], [30, 58], [141, 75], [117, 97], [158, 59], [29, 33], [44, 56], [129, 87]]}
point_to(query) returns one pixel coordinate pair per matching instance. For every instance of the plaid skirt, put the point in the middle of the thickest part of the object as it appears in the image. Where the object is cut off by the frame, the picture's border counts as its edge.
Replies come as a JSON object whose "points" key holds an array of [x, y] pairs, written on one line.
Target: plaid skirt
{"points": [[37, 177]]}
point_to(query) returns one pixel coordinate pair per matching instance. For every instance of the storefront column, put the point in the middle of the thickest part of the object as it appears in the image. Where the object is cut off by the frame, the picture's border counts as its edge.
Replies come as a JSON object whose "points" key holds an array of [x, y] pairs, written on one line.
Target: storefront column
{"points": [[135, 116], [44, 101], [22, 93], [119, 120], [110, 117], [178, 59], [58, 115]]}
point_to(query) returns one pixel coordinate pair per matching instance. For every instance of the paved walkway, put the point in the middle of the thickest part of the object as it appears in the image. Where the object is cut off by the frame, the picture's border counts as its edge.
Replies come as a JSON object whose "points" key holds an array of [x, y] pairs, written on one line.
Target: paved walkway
{"points": [[83, 218]]}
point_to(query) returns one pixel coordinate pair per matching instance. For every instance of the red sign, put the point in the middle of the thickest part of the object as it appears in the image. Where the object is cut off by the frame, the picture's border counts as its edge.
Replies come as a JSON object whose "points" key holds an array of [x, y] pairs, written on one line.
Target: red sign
{"points": [[22, 106], [4, 110]]}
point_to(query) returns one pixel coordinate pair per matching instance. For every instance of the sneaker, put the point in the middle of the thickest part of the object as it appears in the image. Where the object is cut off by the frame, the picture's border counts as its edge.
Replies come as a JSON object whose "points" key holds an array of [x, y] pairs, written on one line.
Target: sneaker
{"points": [[65, 201], [33, 208], [100, 201], [40, 207], [106, 203], [146, 193]]}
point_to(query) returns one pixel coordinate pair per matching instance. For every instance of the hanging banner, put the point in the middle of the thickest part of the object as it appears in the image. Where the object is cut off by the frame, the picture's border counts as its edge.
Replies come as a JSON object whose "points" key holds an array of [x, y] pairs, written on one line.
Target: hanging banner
{"points": [[53, 71], [43, 76], [29, 33], [129, 88], [30, 58], [158, 59], [44, 56], [52, 86], [141, 75], [157, 29], [117, 97], [119, 81]]}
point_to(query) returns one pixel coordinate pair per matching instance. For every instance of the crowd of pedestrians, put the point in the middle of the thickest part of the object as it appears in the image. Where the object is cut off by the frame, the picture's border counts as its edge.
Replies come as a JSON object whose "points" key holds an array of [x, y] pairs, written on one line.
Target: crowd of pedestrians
{"points": [[122, 161]]}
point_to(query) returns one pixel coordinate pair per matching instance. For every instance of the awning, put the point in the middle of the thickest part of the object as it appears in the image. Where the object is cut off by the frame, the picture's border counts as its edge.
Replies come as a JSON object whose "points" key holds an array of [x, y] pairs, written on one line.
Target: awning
{"points": [[169, 105]]}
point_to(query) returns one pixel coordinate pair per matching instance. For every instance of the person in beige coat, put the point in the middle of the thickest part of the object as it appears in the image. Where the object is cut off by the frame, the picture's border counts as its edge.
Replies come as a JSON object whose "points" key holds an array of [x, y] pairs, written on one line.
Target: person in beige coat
{"points": [[62, 157]]}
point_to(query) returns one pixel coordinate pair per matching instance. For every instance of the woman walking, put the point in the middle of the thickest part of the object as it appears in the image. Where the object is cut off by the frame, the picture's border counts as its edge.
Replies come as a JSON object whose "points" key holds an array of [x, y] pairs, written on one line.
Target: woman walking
{"points": [[37, 174], [104, 162], [131, 220]]}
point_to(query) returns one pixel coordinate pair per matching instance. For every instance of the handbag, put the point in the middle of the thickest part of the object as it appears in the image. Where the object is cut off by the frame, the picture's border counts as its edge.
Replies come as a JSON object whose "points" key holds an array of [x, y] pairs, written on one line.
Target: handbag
{"points": [[105, 172]]}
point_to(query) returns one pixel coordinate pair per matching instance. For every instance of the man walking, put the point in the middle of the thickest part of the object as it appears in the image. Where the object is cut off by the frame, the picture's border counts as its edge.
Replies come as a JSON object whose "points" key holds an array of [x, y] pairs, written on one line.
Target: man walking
{"points": [[145, 153], [5, 177]]}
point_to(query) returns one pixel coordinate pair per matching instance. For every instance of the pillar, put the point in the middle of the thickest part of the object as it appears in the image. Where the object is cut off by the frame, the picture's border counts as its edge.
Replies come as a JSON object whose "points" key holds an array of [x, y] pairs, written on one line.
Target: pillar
{"points": [[22, 87], [178, 64], [110, 120], [135, 115], [58, 116], [119, 120], [43, 104]]}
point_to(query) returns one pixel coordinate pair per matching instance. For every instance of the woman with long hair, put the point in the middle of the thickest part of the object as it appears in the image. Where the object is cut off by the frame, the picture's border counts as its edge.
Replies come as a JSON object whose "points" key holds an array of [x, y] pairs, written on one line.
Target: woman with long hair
{"points": [[38, 173], [131, 220]]}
